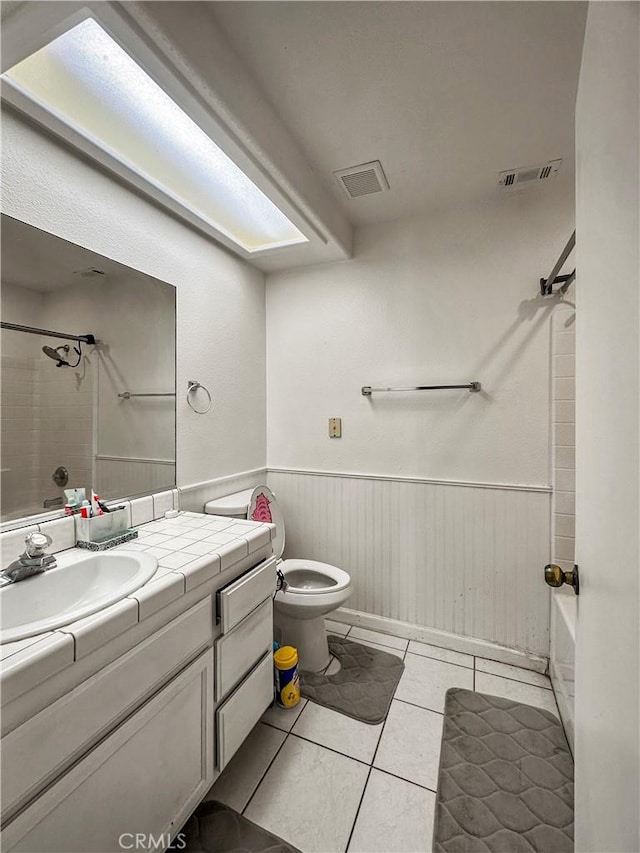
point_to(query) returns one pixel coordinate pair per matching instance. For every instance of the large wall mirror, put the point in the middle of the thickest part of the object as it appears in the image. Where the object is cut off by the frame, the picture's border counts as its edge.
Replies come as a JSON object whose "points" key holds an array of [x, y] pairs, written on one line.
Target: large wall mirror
{"points": [[76, 414]]}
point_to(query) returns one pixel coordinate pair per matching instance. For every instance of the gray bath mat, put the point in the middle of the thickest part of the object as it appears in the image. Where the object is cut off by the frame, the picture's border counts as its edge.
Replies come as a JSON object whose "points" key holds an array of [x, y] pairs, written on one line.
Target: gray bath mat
{"points": [[506, 779], [215, 828], [364, 687]]}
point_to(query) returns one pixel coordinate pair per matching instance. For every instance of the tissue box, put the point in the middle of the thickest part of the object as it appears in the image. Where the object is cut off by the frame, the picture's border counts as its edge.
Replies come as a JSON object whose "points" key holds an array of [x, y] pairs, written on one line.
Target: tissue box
{"points": [[102, 527]]}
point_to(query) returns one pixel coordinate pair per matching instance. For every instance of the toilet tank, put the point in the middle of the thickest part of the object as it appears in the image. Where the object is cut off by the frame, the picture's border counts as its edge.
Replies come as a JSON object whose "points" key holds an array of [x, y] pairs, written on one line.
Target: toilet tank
{"points": [[234, 506]]}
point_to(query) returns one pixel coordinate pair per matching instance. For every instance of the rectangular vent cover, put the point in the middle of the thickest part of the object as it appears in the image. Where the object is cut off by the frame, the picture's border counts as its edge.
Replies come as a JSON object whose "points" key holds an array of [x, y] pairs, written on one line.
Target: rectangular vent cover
{"points": [[364, 179], [528, 174]]}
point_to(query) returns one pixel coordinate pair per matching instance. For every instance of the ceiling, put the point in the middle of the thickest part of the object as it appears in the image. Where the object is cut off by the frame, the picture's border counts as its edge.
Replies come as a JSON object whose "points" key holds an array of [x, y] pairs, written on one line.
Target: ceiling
{"points": [[444, 94], [42, 262]]}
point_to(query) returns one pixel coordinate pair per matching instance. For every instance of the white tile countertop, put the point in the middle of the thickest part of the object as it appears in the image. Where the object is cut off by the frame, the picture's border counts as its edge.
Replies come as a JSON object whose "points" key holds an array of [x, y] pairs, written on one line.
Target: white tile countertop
{"points": [[191, 548]]}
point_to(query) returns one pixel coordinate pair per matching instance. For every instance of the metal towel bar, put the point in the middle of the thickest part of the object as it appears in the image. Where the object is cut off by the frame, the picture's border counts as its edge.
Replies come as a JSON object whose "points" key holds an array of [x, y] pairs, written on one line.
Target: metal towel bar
{"points": [[127, 395], [367, 390]]}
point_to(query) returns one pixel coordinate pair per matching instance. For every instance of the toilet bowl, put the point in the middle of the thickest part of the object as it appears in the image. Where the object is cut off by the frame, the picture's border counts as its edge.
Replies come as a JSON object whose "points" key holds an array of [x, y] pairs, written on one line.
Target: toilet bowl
{"points": [[311, 589]]}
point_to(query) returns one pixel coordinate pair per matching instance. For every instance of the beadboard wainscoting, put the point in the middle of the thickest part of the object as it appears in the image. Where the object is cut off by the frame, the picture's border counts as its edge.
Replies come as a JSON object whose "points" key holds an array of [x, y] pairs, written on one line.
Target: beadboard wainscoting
{"points": [[119, 475], [463, 558]]}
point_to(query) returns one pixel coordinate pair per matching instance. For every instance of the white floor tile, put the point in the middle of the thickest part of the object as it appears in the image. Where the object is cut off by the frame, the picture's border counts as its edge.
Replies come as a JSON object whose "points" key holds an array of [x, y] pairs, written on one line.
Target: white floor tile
{"points": [[283, 718], [309, 797], [410, 744], [425, 681], [395, 817], [516, 690], [337, 731], [378, 637], [245, 770], [437, 652], [515, 672], [337, 628], [397, 652]]}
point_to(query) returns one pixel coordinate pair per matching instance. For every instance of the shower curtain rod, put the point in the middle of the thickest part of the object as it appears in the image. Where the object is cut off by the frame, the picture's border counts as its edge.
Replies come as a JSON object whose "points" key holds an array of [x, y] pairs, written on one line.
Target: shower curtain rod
{"points": [[546, 284], [32, 330]]}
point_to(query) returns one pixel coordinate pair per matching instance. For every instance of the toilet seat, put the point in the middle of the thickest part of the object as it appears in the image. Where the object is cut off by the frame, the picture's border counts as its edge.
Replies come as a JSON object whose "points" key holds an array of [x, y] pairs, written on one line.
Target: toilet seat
{"points": [[340, 579]]}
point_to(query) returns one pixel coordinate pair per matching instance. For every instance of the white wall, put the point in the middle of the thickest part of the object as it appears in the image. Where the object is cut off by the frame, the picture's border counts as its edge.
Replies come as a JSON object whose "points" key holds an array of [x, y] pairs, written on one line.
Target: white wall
{"points": [[456, 559], [425, 301], [608, 432], [444, 300], [23, 306], [20, 404], [220, 300]]}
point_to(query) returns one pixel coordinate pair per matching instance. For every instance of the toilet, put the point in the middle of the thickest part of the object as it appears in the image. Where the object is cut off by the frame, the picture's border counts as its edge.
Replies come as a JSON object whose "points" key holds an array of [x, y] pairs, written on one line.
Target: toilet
{"points": [[312, 590]]}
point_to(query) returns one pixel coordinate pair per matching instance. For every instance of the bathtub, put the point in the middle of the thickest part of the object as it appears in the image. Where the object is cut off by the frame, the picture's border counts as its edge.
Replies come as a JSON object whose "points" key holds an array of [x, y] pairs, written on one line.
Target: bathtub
{"points": [[562, 658]]}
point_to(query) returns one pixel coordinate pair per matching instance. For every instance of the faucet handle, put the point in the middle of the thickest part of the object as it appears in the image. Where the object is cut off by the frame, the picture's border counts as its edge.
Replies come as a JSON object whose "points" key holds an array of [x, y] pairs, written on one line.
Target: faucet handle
{"points": [[35, 543]]}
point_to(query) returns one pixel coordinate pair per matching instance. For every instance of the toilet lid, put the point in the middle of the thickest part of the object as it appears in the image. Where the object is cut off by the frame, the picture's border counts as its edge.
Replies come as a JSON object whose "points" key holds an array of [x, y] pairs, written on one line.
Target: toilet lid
{"points": [[263, 506]]}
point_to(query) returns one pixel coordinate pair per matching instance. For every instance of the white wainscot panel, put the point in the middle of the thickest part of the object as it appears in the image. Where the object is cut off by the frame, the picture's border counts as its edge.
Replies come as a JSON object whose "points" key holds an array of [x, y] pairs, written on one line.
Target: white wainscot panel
{"points": [[123, 476], [463, 559]]}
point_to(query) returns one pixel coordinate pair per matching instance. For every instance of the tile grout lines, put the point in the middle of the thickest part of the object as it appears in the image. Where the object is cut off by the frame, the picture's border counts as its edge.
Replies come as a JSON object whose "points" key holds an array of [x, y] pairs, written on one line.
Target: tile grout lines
{"points": [[277, 752], [371, 764], [364, 790], [261, 780]]}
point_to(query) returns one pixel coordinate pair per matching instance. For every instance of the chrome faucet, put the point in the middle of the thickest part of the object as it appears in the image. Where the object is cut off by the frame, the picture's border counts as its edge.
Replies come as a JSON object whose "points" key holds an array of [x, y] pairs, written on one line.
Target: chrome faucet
{"points": [[32, 562]]}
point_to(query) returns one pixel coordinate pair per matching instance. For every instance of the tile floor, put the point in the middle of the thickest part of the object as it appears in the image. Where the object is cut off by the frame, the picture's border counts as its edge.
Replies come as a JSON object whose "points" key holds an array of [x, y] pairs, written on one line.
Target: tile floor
{"points": [[329, 784]]}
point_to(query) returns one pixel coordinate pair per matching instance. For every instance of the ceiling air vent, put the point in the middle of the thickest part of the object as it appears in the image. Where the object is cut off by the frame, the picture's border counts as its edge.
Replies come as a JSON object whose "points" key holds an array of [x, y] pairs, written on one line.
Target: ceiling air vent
{"points": [[364, 179], [528, 175]]}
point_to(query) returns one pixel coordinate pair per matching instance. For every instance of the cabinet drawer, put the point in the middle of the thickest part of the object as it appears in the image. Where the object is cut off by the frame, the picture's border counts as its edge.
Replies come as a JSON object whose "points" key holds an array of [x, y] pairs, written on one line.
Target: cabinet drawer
{"points": [[238, 651], [242, 710], [146, 777], [238, 599], [61, 733]]}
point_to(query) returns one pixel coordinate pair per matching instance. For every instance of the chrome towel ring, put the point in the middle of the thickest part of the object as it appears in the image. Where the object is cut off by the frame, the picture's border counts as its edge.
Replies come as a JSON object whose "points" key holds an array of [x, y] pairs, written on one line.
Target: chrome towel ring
{"points": [[193, 386]]}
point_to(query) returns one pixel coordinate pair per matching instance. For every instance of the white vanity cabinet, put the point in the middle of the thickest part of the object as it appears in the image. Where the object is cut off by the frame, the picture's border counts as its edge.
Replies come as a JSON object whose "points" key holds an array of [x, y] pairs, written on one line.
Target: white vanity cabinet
{"points": [[135, 747], [146, 777], [243, 649]]}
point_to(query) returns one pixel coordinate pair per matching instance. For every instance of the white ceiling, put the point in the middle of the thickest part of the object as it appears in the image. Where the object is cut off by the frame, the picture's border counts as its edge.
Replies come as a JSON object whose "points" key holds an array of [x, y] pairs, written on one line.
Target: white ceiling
{"points": [[42, 262], [444, 94]]}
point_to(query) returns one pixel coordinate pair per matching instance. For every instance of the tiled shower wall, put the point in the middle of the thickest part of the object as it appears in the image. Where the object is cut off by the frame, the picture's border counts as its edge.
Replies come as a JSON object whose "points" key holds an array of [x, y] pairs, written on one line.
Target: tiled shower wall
{"points": [[37, 433], [19, 419], [563, 436], [66, 425]]}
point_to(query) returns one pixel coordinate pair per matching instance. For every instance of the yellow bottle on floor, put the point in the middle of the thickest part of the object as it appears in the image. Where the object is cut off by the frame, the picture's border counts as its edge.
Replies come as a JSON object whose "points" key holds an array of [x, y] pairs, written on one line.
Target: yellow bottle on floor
{"points": [[287, 679]]}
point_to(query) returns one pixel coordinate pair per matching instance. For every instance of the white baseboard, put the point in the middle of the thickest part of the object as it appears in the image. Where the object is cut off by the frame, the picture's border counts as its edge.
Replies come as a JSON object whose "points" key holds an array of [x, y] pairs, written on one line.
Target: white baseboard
{"points": [[455, 642]]}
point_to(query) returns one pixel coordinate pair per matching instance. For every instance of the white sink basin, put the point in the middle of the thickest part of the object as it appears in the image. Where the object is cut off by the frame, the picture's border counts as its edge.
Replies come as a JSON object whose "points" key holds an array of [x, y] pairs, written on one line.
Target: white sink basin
{"points": [[70, 591]]}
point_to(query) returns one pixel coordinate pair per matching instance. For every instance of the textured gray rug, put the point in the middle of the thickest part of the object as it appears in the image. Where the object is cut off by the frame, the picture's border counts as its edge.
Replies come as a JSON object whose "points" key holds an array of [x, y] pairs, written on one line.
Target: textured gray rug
{"points": [[364, 687], [506, 779], [215, 828]]}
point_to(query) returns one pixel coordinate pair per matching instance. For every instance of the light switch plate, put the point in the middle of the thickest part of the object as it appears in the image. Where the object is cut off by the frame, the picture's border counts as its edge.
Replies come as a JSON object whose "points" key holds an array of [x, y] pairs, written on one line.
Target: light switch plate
{"points": [[335, 427]]}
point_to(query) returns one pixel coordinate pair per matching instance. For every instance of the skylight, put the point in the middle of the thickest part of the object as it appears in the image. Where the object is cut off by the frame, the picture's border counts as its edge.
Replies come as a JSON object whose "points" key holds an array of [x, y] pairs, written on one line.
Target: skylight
{"points": [[85, 79]]}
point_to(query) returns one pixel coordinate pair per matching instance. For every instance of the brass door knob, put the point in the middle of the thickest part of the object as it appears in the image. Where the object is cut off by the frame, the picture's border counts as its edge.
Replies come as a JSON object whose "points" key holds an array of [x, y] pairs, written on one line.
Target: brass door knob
{"points": [[555, 576]]}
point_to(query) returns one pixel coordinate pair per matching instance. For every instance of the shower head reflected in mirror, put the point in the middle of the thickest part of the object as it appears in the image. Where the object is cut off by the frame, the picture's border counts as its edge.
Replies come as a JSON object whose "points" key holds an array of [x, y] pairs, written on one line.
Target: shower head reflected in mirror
{"points": [[59, 359]]}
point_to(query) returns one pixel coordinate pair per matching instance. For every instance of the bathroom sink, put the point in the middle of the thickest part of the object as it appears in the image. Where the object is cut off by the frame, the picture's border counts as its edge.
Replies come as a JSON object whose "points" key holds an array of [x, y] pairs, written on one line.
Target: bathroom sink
{"points": [[71, 591]]}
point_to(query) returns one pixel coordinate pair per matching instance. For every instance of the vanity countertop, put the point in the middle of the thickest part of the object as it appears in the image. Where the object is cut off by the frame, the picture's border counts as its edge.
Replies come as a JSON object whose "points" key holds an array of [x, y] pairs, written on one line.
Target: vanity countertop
{"points": [[191, 548]]}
